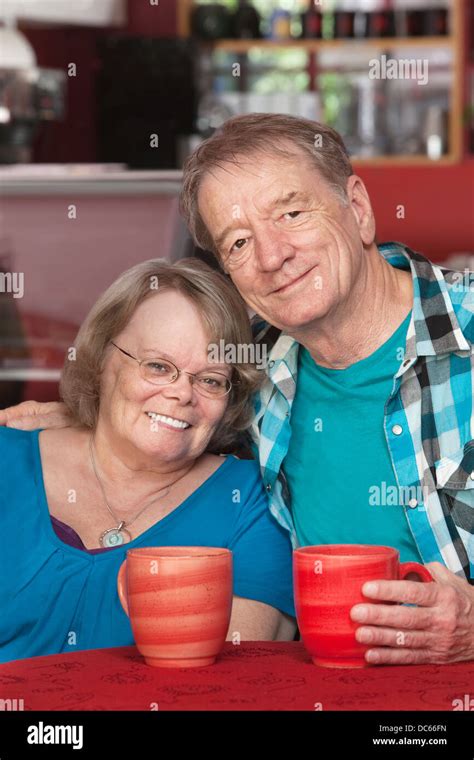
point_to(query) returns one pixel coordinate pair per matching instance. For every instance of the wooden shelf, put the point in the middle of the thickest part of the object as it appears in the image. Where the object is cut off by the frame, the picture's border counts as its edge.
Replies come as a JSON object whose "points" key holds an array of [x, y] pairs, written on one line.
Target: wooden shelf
{"points": [[453, 42], [243, 46], [408, 160]]}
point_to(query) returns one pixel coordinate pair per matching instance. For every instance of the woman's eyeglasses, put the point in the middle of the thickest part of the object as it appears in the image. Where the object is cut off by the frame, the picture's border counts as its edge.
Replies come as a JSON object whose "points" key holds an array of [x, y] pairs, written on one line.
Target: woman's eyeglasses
{"points": [[163, 372]]}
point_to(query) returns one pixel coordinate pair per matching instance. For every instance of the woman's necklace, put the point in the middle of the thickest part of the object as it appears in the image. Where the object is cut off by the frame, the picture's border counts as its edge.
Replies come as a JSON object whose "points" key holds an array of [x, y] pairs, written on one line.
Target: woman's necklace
{"points": [[120, 534]]}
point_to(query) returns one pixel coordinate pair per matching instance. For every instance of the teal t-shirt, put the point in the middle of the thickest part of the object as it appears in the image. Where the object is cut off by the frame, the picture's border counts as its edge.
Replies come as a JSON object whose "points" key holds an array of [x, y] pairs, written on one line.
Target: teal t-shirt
{"points": [[342, 483]]}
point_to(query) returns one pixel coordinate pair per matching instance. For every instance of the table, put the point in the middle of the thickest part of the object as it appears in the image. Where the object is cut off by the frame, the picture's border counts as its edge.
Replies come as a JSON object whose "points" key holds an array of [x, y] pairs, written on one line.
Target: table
{"points": [[249, 676]]}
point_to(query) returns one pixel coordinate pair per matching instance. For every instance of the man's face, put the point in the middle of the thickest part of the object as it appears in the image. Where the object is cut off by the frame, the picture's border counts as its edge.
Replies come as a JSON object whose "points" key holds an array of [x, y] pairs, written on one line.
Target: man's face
{"points": [[292, 249]]}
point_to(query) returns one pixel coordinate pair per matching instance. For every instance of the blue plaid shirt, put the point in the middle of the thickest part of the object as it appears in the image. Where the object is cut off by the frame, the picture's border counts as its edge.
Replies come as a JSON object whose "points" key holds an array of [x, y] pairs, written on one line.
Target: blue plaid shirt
{"points": [[429, 416]]}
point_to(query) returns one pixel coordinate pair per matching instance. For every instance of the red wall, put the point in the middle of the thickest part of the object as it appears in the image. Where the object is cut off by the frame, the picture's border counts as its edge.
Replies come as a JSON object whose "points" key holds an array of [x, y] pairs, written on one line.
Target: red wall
{"points": [[152, 20], [438, 201]]}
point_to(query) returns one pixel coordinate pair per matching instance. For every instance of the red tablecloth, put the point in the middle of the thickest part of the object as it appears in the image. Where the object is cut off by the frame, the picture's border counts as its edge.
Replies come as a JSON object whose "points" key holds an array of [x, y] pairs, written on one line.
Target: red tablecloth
{"points": [[250, 676]]}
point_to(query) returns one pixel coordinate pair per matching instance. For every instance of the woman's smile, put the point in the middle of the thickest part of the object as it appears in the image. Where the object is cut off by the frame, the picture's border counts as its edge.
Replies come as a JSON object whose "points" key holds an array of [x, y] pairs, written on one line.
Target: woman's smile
{"points": [[172, 423]]}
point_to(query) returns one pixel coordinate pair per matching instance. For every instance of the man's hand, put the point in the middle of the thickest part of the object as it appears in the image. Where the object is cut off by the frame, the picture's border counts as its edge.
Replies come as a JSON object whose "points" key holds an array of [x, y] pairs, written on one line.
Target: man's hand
{"points": [[439, 630], [31, 415]]}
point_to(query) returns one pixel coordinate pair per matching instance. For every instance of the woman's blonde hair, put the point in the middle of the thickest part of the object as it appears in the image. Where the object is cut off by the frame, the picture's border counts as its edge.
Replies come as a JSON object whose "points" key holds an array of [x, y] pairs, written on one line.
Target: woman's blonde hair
{"points": [[223, 313]]}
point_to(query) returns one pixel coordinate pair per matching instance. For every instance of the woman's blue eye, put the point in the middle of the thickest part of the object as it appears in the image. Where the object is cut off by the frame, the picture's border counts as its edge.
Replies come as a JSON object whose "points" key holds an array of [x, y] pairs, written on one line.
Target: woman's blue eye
{"points": [[291, 213]]}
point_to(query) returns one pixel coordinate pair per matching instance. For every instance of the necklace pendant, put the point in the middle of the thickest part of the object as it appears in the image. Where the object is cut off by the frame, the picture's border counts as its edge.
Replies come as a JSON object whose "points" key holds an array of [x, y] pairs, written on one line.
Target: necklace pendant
{"points": [[115, 536]]}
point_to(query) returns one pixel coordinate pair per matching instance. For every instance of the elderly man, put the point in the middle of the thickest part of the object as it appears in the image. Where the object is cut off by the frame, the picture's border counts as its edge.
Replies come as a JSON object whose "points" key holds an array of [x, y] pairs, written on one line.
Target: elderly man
{"points": [[364, 426]]}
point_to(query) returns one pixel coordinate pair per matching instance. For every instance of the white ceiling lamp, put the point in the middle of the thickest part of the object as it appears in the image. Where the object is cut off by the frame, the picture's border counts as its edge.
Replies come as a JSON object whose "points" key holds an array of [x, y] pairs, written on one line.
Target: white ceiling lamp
{"points": [[83, 12], [15, 50]]}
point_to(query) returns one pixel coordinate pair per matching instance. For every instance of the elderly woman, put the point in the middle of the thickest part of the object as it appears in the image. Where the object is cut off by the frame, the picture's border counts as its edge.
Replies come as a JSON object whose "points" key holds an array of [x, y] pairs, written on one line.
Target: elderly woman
{"points": [[139, 467]]}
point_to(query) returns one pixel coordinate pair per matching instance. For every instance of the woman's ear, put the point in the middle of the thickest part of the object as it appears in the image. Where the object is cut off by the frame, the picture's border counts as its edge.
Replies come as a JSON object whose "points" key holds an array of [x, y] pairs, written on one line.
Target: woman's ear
{"points": [[361, 208]]}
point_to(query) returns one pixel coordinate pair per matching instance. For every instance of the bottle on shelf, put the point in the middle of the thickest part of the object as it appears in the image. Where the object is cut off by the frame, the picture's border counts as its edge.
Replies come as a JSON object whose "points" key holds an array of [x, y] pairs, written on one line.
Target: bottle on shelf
{"points": [[361, 24], [435, 22], [430, 22], [434, 132], [329, 21], [312, 23], [381, 24], [369, 21], [279, 24], [413, 23], [344, 24], [246, 22], [211, 22]]}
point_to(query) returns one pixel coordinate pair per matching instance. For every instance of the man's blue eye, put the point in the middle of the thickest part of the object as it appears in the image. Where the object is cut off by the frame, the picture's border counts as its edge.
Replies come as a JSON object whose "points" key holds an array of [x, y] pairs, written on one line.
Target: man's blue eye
{"points": [[236, 244], [293, 214]]}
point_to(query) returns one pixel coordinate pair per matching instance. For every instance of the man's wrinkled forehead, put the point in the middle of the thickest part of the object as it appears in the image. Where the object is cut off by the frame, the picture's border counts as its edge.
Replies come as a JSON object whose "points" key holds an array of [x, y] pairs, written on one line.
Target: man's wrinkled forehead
{"points": [[262, 180], [232, 176]]}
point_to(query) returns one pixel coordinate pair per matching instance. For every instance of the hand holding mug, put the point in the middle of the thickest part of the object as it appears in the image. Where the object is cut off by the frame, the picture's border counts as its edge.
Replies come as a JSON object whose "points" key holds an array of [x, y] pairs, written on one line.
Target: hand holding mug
{"points": [[439, 629], [329, 584]]}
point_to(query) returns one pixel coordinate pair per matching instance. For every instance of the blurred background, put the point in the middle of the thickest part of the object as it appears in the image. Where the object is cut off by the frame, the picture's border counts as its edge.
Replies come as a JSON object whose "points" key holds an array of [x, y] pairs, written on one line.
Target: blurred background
{"points": [[102, 100]]}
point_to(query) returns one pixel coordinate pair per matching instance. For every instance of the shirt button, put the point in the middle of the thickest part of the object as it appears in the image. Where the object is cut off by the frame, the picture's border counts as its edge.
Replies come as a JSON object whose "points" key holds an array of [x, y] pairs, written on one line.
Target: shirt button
{"points": [[397, 430], [413, 503], [268, 487], [406, 362], [271, 363], [287, 414], [472, 475]]}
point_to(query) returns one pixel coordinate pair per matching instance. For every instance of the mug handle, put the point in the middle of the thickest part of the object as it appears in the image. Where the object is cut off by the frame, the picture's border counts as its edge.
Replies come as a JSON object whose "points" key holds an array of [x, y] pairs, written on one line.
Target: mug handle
{"points": [[414, 567], [122, 586]]}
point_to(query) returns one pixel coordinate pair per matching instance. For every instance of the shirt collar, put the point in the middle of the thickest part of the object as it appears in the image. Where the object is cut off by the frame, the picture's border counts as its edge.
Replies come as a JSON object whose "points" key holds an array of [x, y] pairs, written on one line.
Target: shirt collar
{"points": [[434, 327]]}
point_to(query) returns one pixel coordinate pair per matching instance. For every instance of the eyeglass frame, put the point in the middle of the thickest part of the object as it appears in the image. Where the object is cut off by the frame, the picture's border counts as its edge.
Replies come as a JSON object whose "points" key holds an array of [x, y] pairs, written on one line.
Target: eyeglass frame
{"points": [[179, 372]]}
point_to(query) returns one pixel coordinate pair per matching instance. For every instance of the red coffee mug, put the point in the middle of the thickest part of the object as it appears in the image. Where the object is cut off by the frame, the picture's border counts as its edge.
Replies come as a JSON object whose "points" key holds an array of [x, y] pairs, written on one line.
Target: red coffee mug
{"points": [[327, 584], [179, 601]]}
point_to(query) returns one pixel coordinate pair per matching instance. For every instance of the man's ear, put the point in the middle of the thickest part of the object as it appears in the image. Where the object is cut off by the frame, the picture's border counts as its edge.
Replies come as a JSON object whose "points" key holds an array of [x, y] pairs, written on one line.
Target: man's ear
{"points": [[361, 208]]}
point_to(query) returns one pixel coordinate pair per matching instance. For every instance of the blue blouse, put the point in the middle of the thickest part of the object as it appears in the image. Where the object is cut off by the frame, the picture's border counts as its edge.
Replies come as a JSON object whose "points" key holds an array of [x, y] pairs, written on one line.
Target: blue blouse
{"points": [[57, 598]]}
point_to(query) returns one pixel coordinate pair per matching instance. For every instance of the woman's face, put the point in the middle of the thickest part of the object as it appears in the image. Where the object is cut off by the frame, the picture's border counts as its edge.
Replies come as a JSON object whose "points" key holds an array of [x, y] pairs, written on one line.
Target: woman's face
{"points": [[166, 325]]}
